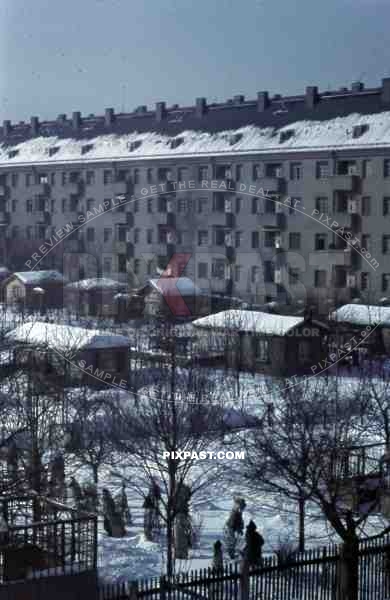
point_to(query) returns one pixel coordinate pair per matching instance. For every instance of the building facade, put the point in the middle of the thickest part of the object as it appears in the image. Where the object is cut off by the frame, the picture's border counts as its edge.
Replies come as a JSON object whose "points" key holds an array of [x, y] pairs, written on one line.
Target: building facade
{"points": [[282, 198]]}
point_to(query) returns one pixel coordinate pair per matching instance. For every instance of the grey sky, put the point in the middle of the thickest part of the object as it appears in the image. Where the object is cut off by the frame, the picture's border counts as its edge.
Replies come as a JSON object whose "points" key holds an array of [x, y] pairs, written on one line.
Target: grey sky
{"points": [[59, 56]]}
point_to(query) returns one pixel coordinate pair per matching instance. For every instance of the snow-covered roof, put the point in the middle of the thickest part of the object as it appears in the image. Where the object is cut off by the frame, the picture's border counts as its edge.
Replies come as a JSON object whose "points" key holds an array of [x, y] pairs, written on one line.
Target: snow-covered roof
{"points": [[362, 314], [94, 283], [65, 337], [305, 134], [34, 277], [174, 286], [250, 321]]}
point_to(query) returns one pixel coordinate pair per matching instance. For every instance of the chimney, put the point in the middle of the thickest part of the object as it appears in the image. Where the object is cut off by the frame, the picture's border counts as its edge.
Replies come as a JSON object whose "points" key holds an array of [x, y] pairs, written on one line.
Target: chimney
{"points": [[34, 123], [239, 99], [141, 109], [160, 111], [262, 101], [200, 107], [109, 116], [61, 119], [76, 120], [6, 128], [386, 90], [311, 96], [357, 86]]}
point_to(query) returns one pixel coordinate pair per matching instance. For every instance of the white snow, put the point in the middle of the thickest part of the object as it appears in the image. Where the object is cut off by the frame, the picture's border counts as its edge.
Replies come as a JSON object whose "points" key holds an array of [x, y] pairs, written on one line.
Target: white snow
{"points": [[362, 314], [31, 277], [330, 134], [169, 286], [250, 321], [96, 283], [64, 338]]}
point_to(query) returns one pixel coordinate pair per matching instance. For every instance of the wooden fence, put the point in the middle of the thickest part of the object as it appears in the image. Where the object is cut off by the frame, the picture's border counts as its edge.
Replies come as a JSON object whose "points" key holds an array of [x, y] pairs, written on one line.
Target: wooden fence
{"points": [[309, 576]]}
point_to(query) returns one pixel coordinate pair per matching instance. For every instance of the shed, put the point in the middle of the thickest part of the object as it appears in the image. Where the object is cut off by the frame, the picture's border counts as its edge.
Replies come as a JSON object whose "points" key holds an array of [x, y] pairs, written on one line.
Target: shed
{"points": [[22, 288], [79, 355], [94, 297], [259, 341], [368, 324], [174, 297]]}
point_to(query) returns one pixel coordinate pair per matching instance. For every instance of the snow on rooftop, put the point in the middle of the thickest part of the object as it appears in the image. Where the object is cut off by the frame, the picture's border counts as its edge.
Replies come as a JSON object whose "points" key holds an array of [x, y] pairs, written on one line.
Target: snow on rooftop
{"points": [[362, 314], [65, 338], [32, 277], [307, 134], [96, 283], [175, 286], [250, 321]]}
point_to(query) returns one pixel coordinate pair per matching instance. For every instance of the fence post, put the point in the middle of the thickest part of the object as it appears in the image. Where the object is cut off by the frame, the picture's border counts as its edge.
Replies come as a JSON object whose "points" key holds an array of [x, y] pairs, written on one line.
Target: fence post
{"points": [[133, 591], [244, 580], [163, 587]]}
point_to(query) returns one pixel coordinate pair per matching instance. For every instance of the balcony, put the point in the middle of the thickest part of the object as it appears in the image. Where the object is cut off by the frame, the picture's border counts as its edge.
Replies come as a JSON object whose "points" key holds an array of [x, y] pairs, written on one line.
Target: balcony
{"points": [[119, 217], [5, 218], [129, 250], [120, 247], [3, 191], [270, 184], [230, 220], [171, 219], [225, 185], [120, 188], [345, 183], [40, 189], [75, 188], [339, 256]]}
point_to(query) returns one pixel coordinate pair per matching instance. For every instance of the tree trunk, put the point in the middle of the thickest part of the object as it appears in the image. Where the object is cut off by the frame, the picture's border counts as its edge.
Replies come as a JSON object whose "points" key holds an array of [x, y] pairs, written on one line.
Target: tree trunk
{"points": [[95, 472], [301, 504], [348, 571]]}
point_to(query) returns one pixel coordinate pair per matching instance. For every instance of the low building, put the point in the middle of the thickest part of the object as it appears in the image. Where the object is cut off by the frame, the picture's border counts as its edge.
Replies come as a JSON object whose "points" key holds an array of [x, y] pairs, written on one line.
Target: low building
{"points": [[75, 354], [35, 289], [173, 297], [362, 327], [94, 297], [259, 341]]}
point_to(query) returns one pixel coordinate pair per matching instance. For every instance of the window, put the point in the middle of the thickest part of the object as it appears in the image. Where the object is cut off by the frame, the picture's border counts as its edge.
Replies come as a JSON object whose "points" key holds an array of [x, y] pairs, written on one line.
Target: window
{"points": [[90, 177], [238, 205], [366, 206], [29, 205], [293, 275], [14, 179], [256, 173], [29, 232], [237, 273], [238, 237], [321, 241], [367, 168], [255, 239], [364, 280], [136, 176], [386, 167], [294, 241], [182, 205], [202, 205], [366, 241], [238, 172], [296, 171], [270, 238], [122, 263], [203, 173], [28, 179], [322, 169], [203, 238], [163, 174], [42, 178], [320, 278], [14, 203], [136, 206], [182, 173], [386, 282], [149, 175], [218, 268], [223, 172], [274, 170], [90, 202], [90, 234], [107, 177], [219, 235], [269, 206], [15, 232], [41, 230], [269, 271], [202, 270], [107, 265], [149, 236], [136, 236], [53, 179], [386, 206], [137, 266], [107, 234], [341, 200], [149, 267], [218, 203], [122, 175], [255, 274], [64, 178], [322, 205], [150, 205], [386, 244], [262, 350], [255, 206], [40, 203], [121, 233], [346, 167]]}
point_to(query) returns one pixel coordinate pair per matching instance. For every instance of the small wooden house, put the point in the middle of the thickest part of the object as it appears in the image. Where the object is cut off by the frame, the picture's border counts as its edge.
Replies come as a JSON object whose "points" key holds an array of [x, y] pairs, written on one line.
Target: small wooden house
{"points": [[369, 324], [75, 354], [173, 297], [259, 341], [94, 297], [34, 289]]}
